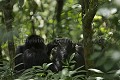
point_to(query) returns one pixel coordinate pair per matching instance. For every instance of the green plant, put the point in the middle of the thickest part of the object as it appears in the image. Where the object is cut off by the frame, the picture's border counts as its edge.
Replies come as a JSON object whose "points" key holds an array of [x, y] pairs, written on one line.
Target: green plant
{"points": [[6, 72]]}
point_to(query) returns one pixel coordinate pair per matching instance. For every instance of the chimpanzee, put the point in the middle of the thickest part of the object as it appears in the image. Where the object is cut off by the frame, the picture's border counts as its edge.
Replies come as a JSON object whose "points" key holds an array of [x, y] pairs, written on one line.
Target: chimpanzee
{"points": [[33, 53], [64, 49]]}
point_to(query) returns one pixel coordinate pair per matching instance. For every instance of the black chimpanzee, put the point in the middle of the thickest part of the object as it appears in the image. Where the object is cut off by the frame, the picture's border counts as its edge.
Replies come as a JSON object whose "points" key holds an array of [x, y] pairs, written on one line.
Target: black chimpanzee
{"points": [[64, 49], [33, 53]]}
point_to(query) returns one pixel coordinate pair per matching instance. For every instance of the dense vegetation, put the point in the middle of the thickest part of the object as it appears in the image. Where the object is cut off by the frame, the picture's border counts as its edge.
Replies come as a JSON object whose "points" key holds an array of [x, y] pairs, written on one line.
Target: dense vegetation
{"points": [[93, 23]]}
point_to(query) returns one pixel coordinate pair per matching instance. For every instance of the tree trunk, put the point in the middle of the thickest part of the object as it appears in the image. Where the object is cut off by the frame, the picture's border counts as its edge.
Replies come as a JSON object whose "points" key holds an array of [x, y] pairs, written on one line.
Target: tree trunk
{"points": [[89, 9], [8, 18], [59, 8]]}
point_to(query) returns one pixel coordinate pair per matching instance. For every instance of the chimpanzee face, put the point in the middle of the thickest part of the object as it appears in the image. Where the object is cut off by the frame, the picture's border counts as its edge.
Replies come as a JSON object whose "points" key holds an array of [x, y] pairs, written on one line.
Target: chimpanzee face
{"points": [[64, 48]]}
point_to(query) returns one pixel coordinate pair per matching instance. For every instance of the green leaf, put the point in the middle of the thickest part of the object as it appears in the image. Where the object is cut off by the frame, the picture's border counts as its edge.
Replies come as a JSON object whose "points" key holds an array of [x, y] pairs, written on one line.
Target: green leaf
{"points": [[71, 57], [95, 70]]}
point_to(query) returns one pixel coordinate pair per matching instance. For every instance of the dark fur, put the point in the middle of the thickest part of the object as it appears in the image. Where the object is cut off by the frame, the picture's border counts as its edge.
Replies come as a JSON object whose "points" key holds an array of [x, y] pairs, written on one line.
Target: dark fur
{"points": [[34, 53], [64, 49]]}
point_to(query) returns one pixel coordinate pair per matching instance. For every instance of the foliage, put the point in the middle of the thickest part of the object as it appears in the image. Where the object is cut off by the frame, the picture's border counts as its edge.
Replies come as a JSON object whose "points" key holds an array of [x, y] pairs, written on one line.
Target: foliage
{"points": [[42, 72], [106, 39], [6, 72]]}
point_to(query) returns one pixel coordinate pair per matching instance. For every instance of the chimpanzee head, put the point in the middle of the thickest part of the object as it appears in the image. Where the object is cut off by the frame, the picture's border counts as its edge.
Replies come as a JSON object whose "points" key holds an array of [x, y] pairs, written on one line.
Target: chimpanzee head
{"points": [[63, 49], [34, 41]]}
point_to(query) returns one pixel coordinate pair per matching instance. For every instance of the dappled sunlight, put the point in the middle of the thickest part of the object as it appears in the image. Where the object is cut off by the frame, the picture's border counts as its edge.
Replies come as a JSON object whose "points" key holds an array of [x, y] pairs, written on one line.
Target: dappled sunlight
{"points": [[106, 12], [116, 55], [116, 2]]}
